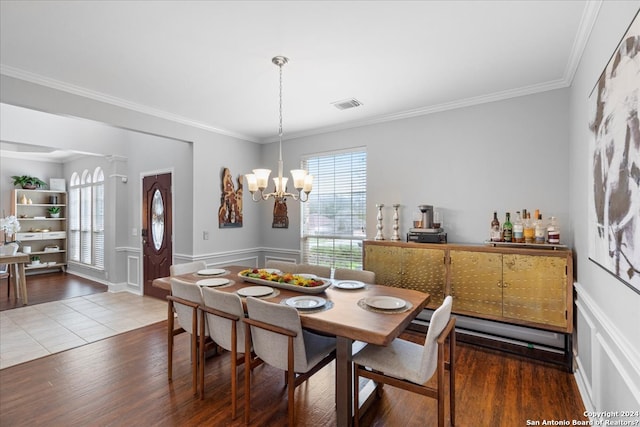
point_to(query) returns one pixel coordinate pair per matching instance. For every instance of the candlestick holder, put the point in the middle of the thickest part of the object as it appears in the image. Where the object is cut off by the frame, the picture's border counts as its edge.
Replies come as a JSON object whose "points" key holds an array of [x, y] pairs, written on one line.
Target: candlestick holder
{"points": [[396, 226], [379, 235]]}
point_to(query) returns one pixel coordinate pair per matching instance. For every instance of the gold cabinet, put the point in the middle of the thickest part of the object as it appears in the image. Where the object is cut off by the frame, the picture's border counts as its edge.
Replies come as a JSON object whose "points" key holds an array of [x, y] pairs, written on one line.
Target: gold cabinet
{"points": [[418, 268], [516, 288], [524, 286]]}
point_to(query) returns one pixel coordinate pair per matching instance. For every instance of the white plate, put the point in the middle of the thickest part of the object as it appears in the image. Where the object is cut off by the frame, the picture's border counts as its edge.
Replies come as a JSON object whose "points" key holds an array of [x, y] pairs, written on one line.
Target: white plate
{"points": [[306, 302], [385, 303], [349, 284], [211, 272], [272, 270], [255, 291], [306, 275], [219, 281]]}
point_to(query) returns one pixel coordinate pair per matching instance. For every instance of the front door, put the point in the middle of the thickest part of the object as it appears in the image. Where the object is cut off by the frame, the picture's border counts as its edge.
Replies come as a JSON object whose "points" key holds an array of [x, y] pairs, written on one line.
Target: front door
{"points": [[156, 231]]}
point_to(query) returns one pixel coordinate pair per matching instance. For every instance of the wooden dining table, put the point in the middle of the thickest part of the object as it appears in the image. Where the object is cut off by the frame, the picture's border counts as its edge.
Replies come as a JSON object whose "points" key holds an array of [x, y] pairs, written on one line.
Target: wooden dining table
{"points": [[346, 318], [18, 262]]}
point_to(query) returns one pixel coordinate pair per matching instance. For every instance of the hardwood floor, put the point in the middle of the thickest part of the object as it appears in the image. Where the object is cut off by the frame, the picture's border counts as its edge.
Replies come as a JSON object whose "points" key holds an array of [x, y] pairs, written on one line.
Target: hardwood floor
{"points": [[123, 381], [49, 287]]}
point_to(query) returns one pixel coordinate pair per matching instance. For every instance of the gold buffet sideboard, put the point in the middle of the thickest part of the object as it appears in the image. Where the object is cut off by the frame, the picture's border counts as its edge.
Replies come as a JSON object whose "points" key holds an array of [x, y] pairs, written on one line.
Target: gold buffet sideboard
{"points": [[524, 286]]}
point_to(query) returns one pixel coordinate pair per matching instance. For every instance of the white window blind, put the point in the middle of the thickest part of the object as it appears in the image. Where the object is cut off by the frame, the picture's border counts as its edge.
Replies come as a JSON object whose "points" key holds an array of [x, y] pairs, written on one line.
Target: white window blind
{"points": [[334, 218], [86, 218]]}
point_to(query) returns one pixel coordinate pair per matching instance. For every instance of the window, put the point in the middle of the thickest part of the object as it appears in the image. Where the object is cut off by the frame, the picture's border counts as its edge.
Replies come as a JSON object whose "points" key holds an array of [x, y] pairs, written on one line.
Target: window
{"points": [[86, 218], [334, 218]]}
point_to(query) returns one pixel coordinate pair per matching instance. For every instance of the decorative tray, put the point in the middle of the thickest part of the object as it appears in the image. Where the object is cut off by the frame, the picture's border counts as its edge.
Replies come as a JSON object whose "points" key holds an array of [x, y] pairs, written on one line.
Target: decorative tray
{"points": [[526, 245], [273, 279]]}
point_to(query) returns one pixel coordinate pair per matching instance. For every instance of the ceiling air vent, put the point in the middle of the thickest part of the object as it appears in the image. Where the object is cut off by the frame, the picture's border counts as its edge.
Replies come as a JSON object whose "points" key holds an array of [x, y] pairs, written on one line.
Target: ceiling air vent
{"points": [[345, 104]]}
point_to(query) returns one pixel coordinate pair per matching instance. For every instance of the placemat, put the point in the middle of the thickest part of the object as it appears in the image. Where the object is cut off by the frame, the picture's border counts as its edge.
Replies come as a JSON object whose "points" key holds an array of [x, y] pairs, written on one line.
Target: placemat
{"points": [[364, 306], [273, 294], [327, 306], [226, 285], [211, 276]]}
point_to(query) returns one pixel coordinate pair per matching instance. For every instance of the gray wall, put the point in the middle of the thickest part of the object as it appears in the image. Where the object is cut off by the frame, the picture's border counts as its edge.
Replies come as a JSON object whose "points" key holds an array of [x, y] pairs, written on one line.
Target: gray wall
{"points": [[608, 312]]}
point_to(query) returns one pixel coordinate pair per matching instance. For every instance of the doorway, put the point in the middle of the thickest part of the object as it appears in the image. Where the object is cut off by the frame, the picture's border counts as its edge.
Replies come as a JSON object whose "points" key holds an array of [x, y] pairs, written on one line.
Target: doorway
{"points": [[157, 231]]}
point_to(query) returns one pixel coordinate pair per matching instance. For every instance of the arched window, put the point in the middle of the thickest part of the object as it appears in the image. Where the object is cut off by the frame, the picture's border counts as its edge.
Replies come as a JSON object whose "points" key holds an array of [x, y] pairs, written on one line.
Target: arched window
{"points": [[86, 218]]}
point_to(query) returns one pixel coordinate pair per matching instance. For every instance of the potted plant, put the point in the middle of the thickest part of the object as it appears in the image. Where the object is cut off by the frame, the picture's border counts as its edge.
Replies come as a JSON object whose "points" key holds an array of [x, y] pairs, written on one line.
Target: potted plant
{"points": [[35, 260], [54, 211], [28, 182]]}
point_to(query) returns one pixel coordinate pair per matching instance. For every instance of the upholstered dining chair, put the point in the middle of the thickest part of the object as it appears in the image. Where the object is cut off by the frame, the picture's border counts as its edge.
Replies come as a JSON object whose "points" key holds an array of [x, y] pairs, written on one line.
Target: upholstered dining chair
{"points": [[283, 266], [279, 340], [187, 267], [184, 300], [409, 366], [318, 270], [223, 313], [350, 274]]}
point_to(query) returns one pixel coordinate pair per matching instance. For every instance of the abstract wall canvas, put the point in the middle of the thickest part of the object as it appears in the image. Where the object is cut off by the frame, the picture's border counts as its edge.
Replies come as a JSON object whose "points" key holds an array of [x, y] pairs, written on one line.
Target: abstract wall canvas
{"points": [[614, 187]]}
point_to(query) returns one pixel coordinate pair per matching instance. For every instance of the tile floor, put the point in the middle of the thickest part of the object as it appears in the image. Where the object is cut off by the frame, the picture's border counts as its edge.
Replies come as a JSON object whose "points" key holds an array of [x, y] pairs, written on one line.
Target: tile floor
{"points": [[32, 332]]}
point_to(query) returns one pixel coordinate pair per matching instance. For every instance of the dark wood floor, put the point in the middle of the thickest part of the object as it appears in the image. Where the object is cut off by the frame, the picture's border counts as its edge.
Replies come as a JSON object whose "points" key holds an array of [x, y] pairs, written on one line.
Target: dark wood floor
{"points": [[121, 381], [49, 287]]}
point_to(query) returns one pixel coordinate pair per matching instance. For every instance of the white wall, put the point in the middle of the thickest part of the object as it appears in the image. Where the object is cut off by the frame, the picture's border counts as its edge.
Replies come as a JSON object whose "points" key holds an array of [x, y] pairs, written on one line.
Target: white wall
{"points": [[500, 156], [608, 312]]}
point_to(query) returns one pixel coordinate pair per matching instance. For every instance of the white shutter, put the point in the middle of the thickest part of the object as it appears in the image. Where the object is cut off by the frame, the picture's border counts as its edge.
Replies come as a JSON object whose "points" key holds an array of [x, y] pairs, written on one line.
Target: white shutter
{"points": [[98, 225], [85, 225], [334, 218], [73, 209]]}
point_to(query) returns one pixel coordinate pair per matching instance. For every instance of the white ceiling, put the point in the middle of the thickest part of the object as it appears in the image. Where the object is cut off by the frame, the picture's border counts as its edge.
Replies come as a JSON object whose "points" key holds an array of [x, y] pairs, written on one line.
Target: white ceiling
{"points": [[208, 63]]}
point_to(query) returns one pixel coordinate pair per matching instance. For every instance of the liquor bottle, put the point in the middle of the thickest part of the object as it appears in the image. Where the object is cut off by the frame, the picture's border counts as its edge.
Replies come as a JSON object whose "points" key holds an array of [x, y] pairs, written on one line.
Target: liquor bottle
{"points": [[518, 229], [540, 230], [553, 231], [495, 234], [529, 229], [507, 229]]}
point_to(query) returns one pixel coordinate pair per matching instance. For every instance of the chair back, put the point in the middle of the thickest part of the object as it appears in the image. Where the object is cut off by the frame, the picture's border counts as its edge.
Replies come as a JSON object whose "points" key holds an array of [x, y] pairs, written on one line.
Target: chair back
{"points": [[318, 270], [187, 267], [283, 266], [9, 249], [350, 274], [438, 322], [272, 347], [189, 292], [220, 327]]}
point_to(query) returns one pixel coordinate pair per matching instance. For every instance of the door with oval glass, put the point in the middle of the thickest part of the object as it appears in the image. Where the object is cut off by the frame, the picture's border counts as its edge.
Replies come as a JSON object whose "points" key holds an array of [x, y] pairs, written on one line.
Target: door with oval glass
{"points": [[156, 231]]}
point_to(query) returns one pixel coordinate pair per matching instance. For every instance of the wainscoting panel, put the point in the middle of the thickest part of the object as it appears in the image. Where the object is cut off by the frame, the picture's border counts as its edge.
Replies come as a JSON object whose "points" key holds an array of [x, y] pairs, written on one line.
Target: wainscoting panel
{"points": [[608, 373], [133, 272]]}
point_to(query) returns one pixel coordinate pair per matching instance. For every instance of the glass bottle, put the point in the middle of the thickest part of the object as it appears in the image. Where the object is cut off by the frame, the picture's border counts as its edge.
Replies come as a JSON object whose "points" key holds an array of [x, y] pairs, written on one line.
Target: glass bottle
{"points": [[495, 234], [540, 230], [507, 229], [529, 229], [518, 229], [553, 231]]}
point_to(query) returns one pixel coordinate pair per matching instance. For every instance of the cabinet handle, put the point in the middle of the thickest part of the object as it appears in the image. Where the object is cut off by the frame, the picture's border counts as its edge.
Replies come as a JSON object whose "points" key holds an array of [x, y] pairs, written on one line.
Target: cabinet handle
{"points": [[499, 284], [505, 285]]}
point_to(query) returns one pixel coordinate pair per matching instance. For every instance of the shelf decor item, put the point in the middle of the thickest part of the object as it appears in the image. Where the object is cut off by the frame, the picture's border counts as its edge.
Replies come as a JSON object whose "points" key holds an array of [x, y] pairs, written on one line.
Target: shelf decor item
{"points": [[54, 211], [10, 226], [28, 182], [379, 235]]}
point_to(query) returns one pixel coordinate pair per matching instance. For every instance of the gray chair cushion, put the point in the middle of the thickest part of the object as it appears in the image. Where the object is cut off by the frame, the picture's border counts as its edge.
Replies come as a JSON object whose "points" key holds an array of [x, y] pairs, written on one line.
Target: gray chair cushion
{"points": [[318, 270], [220, 327], [189, 292], [188, 267], [349, 274], [283, 266], [272, 348]]}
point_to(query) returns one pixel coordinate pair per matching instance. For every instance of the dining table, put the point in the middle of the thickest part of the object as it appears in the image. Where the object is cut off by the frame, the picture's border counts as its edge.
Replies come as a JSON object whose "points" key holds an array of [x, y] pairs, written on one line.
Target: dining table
{"points": [[345, 316], [18, 262]]}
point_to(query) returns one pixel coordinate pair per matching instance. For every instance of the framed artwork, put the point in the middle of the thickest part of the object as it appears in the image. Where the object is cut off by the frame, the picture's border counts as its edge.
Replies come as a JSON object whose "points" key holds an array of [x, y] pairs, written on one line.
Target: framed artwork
{"points": [[230, 211], [614, 181], [57, 184]]}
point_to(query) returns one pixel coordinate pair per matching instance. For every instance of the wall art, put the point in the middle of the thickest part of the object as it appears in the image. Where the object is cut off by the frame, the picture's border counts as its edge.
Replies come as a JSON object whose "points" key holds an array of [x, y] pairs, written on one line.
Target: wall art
{"points": [[230, 211]]}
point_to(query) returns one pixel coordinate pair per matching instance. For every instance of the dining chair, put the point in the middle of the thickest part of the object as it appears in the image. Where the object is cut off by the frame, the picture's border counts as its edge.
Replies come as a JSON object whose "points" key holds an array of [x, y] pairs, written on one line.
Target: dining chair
{"points": [[409, 366], [278, 339], [351, 274], [318, 270], [184, 300], [283, 266], [223, 313], [9, 249], [187, 267]]}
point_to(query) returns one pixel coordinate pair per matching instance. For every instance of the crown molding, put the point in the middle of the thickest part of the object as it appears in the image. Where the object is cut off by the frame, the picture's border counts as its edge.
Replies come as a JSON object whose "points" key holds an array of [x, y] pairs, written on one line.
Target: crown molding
{"points": [[588, 20], [112, 100]]}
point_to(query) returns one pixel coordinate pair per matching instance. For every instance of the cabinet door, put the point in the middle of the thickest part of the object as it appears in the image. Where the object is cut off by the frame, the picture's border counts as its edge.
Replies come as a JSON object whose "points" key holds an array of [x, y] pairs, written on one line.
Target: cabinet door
{"points": [[535, 289], [386, 262], [424, 271], [476, 282]]}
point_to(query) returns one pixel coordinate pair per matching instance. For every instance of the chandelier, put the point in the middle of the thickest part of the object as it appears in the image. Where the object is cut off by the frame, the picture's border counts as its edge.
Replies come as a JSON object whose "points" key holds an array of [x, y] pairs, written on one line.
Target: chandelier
{"points": [[259, 179]]}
